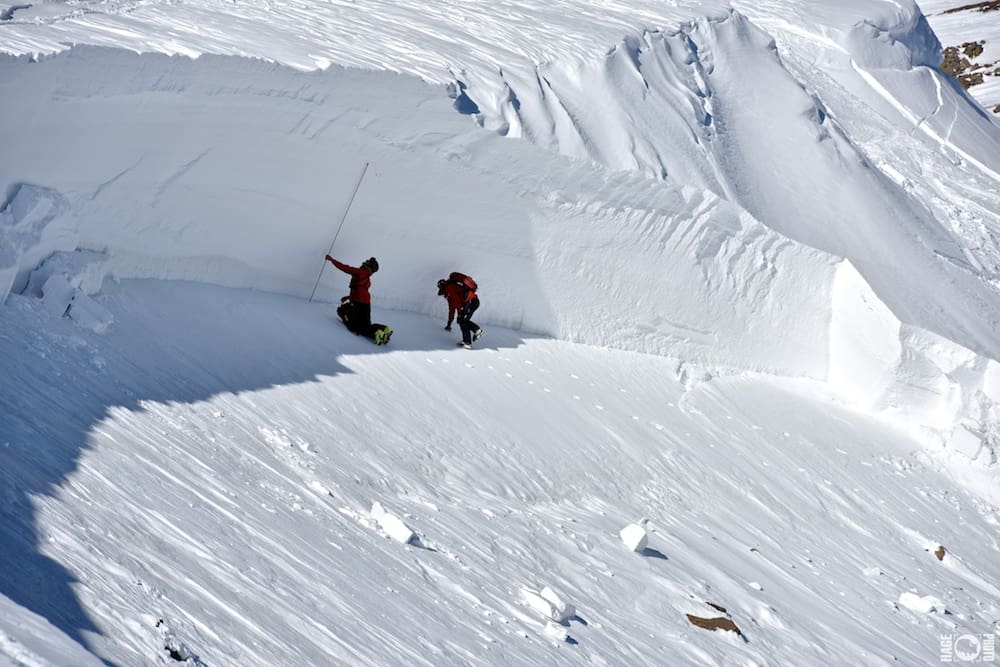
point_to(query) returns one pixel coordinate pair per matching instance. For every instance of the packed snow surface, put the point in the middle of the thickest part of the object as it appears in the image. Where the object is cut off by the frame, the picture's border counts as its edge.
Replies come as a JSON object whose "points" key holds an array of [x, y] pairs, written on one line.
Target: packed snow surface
{"points": [[740, 272], [210, 465]]}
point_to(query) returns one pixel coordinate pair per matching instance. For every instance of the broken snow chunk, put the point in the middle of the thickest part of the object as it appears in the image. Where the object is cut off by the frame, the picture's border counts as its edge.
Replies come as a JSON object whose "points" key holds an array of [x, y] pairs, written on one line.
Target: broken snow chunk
{"points": [[391, 524], [872, 572], [562, 611], [967, 440], [556, 631], [549, 604], [319, 488], [57, 295], [921, 604], [537, 602], [64, 300], [634, 536]]}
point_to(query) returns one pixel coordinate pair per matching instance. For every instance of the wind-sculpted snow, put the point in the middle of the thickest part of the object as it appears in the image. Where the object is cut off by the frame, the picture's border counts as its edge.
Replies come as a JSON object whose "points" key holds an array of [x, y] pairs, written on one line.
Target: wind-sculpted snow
{"points": [[209, 476], [692, 92], [201, 479], [559, 246]]}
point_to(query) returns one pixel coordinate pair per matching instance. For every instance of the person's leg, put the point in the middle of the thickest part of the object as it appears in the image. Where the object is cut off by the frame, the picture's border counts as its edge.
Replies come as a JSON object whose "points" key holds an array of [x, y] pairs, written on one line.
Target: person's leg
{"points": [[467, 330], [465, 322], [346, 313], [362, 318]]}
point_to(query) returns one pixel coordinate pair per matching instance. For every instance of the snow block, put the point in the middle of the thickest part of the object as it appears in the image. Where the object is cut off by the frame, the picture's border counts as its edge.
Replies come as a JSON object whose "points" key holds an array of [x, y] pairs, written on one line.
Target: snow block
{"points": [[556, 631], [62, 299], [33, 224], [562, 611], [966, 442], [634, 536], [391, 525], [922, 604], [549, 604], [58, 295]]}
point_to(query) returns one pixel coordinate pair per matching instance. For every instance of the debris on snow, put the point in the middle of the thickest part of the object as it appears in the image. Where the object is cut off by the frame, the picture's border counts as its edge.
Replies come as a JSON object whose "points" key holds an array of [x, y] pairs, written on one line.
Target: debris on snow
{"points": [[557, 631], [319, 488], [922, 604], [67, 301], [176, 648], [634, 536], [391, 525], [549, 604], [713, 624]]}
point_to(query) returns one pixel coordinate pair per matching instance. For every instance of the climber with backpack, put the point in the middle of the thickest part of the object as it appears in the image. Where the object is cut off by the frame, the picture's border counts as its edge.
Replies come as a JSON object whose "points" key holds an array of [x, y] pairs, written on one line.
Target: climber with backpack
{"points": [[459, 290], [356, 308]]}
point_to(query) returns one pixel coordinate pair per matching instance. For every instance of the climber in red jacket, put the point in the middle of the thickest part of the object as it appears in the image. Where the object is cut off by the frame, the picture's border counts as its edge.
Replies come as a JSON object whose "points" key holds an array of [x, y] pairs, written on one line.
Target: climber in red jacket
{"points": [[356, 308], [461, 298]]}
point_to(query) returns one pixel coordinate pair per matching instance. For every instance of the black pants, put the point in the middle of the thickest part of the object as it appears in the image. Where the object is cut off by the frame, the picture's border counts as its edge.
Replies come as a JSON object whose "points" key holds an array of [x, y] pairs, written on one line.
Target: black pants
{"points": [[358, 318], [465, 322]]}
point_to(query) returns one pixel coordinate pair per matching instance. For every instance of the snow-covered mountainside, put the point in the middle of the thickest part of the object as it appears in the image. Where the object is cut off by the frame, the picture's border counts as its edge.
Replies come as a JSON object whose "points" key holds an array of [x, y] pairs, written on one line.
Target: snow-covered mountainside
{"points": [[970, 32], [740, 271]]}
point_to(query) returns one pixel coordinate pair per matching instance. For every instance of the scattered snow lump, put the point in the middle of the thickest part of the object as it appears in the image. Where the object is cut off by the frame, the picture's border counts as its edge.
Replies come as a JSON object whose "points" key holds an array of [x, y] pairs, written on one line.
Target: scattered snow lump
{"points": [[550, 605], [391, 525], [634, 536], [557, 631], [922, 604]]}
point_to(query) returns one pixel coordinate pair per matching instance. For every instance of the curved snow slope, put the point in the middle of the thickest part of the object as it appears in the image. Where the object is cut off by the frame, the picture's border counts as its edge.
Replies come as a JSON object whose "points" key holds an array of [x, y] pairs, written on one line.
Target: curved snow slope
{"points": [[200, 477], [144, 162], [236, 172], [664, 90]]}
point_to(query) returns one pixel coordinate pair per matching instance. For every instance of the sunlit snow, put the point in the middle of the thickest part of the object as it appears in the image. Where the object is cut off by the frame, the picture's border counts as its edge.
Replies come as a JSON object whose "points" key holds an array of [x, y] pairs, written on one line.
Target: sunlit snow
{"points": [[736, 403]]}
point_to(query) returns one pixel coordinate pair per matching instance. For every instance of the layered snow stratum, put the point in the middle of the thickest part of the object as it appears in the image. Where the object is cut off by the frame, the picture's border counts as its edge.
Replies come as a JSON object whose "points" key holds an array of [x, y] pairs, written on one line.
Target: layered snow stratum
{"points": [[790, 189]]}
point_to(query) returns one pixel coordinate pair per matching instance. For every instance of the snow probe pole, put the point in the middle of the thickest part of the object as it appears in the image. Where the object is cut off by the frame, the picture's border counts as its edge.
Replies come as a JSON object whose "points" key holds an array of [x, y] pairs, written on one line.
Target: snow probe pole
{"points": [[341, 226]]}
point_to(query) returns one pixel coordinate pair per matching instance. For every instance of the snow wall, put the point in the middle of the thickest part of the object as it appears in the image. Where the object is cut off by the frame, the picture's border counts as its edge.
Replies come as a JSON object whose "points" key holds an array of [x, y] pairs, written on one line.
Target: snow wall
{"points": [[236, 171]]}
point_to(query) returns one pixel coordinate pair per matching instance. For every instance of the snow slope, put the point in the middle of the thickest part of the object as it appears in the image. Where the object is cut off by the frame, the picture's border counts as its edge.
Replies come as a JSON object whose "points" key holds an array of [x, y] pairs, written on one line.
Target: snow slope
{"points": [[957, 23], [781, 218], [206, 484], [565, 248]]}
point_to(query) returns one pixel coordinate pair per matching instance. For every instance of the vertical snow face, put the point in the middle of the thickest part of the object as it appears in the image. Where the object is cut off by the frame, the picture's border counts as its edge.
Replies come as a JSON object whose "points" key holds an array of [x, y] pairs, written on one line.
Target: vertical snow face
{"points": [[911, 376], [684, 274], [734, 268], [865, 349], [165, 184]]}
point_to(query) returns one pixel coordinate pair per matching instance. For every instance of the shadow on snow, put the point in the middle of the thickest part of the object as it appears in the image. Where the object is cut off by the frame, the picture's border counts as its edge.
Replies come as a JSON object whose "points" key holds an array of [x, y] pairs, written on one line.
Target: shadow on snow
{"points": [[171, 342]]}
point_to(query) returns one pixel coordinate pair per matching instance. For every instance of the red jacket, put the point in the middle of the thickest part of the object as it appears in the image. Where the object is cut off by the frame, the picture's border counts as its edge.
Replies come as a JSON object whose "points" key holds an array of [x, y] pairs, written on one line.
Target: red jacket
{"points": [[361, 280], [457, 297]]}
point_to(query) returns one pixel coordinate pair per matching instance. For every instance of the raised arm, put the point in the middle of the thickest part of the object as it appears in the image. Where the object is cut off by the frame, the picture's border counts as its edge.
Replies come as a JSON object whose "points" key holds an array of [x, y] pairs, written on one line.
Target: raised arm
{"points": [[344, 267]]}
